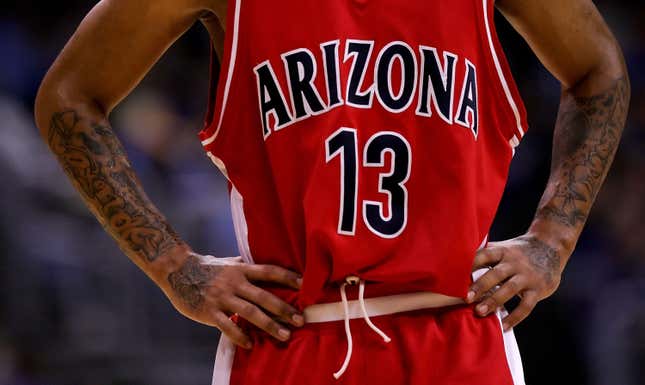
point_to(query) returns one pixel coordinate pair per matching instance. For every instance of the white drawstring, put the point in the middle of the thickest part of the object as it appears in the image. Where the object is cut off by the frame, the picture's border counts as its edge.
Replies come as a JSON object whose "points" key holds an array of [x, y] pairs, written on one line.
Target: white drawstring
{"points": [[361, 292], [348, 332]]}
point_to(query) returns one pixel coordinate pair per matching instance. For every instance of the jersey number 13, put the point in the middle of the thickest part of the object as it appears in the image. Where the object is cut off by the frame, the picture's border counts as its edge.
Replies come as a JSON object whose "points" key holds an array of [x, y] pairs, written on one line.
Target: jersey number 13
{"points": [[342, 143]]}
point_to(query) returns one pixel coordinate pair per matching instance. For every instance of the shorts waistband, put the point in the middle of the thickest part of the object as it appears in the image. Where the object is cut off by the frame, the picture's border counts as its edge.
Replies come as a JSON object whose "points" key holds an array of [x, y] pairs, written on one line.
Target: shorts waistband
{"points": [[376, 306]]}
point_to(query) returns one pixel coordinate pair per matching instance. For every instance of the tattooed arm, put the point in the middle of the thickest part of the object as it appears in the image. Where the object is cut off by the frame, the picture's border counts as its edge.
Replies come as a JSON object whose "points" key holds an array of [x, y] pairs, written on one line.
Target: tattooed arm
{"points": [[574, 43], [111, 51]]}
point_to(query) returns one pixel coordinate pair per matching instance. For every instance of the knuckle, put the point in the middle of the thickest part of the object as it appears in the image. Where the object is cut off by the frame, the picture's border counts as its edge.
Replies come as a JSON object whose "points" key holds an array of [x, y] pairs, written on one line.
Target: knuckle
{"points": [[503, 269], [497, 275], [286, 310], [272, 326], [530, 298], [512, 286], [225, 281], [491, 302], [486, 256], [489, 281], [249, 310], [217, 304], [525, 307], [220, 288], [261, 296], [498, 299], [271, 271], [263, 269], [290, 276]]}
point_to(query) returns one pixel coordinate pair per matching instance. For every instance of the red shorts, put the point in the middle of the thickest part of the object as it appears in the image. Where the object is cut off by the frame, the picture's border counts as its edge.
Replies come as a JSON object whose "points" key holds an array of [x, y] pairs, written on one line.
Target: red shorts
{"points": [[444, 346]]}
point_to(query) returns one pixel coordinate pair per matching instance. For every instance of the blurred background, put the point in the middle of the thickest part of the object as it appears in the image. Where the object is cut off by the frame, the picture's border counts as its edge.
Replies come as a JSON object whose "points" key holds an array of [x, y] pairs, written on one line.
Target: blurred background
{"points": [[75, 311]]}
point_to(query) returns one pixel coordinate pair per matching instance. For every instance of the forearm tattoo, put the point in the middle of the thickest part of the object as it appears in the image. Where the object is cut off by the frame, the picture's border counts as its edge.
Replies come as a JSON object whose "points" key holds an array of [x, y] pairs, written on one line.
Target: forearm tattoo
{"points": [[95, 161], [586, 136]]}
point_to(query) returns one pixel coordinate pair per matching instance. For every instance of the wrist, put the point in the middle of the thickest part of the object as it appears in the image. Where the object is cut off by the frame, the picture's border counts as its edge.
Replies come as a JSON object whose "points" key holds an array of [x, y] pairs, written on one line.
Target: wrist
{"points": [[561, 238], [168, 262]]}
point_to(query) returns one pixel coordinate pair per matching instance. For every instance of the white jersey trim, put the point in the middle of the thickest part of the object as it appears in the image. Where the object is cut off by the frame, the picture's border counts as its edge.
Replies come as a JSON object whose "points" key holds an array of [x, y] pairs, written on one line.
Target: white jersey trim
{"points": [[229, 75], [512, 351], [514, 142], [500, 73], [240, 226], [223, 361], [237, 212], [513, 358]]}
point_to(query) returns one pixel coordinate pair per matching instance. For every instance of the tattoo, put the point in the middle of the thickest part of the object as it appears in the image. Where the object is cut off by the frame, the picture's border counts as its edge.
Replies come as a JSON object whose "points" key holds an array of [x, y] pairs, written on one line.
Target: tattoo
{"points": [[188, 281], [95, 161], [543, 257], [587, 134]]}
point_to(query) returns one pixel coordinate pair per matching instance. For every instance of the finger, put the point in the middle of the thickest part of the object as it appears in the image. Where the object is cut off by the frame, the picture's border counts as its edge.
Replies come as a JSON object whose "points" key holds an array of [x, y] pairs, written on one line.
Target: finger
{"points": [[488, 281], [271, 303], [232, 331], [487, 257], [509, 289], [526, 306], [271, 273], [257, 317]]}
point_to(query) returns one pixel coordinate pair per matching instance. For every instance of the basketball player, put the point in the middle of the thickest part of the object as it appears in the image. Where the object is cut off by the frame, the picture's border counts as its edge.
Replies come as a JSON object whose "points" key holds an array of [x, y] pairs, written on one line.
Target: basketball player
{"points": [[367, 145]]}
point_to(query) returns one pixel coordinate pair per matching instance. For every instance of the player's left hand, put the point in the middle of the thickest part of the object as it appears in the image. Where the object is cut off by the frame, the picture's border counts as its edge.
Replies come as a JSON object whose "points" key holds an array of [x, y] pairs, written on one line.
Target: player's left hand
{"points": [[525, 266]]}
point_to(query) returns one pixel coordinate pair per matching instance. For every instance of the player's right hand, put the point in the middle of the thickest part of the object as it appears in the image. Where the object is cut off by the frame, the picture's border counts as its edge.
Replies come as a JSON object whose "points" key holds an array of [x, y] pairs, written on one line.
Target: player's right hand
{"points": [[209, 290]]}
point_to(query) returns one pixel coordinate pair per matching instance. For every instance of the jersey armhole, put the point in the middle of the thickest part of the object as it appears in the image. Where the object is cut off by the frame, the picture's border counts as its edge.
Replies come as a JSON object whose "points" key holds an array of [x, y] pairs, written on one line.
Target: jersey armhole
{"points": [[518, 124], [221, 75], [214, 74]]}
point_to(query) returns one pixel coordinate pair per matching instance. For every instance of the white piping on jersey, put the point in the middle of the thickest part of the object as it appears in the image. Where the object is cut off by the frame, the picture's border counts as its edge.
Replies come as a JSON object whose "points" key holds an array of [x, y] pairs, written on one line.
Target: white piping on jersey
{"points": [[513, 357], [352, 280], [507, 91], [237, 213], [514, 142], [229, 75], [483, 244], [218, 163], [240, 226], [223, 361]]}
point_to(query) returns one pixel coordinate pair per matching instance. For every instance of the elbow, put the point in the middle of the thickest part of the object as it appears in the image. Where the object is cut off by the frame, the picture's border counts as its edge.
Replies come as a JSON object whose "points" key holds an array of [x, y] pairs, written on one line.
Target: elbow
{"points": [[44, 107], [612, 74], [57, 96], [50, 99], [612, 67], [605, 72]]}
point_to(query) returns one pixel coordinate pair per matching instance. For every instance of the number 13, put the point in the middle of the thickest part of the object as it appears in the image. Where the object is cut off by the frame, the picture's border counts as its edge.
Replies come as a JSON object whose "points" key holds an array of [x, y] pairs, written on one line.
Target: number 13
{"points": [[343, 143]]}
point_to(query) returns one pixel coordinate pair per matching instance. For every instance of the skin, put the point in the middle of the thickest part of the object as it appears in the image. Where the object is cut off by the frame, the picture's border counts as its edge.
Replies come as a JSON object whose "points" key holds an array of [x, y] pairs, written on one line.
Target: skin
{"points": [[571, 39], [92, 75]]}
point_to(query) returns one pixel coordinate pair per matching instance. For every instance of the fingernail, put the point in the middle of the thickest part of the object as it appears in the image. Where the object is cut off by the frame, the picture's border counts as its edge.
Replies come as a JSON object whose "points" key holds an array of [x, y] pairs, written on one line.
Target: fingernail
{"points": [[482, 309], [298, 319], [284, 333], [248, 345], [505, 326], [470, 296], [299, 281]]}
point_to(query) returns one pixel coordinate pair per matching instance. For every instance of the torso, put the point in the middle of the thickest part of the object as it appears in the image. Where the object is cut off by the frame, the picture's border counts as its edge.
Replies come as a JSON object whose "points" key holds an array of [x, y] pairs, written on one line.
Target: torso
{"points": [[347, 152]]}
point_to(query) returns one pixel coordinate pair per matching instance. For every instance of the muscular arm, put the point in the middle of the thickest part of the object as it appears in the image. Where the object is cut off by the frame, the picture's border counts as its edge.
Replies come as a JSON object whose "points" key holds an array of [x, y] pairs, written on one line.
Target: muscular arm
{"points": [[113, 48], [107, 56], [571, 39], [575, 44]]}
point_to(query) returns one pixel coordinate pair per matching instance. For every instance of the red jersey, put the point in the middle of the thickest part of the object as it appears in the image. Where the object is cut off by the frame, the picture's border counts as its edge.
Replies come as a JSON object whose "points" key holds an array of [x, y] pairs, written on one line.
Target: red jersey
{"points": [[364, 137]]}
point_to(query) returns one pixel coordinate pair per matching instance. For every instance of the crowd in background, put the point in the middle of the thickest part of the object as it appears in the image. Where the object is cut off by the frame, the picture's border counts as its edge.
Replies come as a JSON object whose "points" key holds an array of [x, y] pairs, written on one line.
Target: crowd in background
{"points": [[75, 311]]}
